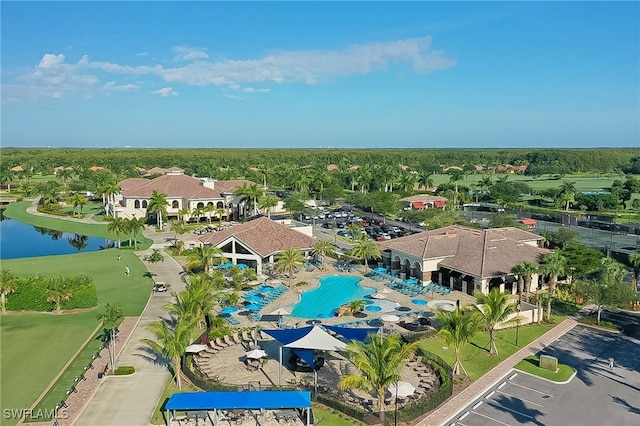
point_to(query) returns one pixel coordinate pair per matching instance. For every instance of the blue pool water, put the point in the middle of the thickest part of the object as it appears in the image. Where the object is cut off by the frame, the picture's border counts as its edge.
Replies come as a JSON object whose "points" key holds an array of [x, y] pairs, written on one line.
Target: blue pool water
{"points": [[334, 290]]}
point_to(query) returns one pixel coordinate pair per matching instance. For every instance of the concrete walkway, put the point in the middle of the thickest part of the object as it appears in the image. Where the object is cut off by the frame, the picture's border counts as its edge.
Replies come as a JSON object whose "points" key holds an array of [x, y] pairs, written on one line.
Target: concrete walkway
{"points": [[130, 401], [457, 403]]}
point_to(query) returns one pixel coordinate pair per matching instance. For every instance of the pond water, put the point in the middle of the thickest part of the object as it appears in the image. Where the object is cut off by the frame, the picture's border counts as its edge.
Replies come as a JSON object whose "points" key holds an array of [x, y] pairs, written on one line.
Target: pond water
{"points": [[18, 240]]}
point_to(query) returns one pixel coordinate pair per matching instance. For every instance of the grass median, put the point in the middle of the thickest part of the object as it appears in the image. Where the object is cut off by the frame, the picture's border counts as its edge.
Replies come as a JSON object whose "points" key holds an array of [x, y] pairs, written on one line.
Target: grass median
{"points": [[531, 365]]}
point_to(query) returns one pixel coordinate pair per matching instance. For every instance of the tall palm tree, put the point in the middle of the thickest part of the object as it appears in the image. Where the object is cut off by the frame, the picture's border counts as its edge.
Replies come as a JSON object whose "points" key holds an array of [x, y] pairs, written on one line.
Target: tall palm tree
{"points": [[76, 200], [554, 265], [111, 318], [634, 259], [57, 292], [197, 212], [250, 193], [158, 205], [118, 226], [136, 227], [201, 291], [493, 310], [524, 271], [171, 339], [288, 261], [458, 327], [209, 209], [323, 248], [8, 284], [219, 213], [206, 256], [567, 190], [379, 361], [6, 177], [425, 180], [366, 249], [267, 203]]}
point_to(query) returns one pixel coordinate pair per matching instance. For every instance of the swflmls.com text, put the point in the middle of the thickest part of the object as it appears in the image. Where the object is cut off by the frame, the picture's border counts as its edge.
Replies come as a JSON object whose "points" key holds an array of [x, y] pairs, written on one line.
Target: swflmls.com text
{"points": [[29, 414]]}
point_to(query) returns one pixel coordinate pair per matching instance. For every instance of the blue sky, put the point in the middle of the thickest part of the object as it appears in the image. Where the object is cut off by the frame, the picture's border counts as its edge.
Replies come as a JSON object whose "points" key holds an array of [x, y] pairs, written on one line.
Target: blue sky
{"points": [[320, 75]]}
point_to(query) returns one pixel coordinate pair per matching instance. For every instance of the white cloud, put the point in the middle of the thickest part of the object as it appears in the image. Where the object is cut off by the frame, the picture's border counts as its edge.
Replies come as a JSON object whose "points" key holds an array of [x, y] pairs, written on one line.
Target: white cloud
{"points": [[54, 78], [184, 53], [112, 86], [165, 92]]}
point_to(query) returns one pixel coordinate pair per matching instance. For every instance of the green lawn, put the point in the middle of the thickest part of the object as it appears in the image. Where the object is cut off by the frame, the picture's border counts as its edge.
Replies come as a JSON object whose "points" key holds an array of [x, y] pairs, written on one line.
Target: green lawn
{"points": [[530, 365], [35, 346], [475, 355]]}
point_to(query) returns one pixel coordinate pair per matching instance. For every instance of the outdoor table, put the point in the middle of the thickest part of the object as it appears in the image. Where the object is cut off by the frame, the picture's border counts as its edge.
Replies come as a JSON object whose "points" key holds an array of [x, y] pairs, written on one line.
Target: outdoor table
{"points": [[286, 415]]}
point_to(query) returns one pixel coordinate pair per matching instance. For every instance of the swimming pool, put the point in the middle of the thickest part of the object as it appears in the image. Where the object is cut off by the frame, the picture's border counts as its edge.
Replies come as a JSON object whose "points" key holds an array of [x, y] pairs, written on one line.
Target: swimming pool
{"points": [[334, 291]]}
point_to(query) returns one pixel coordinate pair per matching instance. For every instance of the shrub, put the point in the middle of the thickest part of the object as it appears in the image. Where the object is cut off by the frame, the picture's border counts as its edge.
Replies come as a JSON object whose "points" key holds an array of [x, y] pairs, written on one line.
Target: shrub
{"points": [[31, 294], [603, 324], [124, 370]]}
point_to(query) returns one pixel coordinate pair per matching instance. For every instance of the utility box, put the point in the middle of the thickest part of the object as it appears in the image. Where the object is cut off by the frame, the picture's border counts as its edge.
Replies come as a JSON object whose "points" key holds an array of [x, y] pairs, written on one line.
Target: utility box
{"points": [[549, 362]]}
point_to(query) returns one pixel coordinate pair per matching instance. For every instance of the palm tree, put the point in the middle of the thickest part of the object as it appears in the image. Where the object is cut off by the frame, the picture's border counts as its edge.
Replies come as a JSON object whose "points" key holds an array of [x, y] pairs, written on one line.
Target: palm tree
{"points": [[172, 338], [206, 256], [118, 226], [197, 213], [77, 199], [57, 292], [567, 190], [111, 318], [634, 259], [524, 271], [249, 193], [219, 213], [6, 177], [8, 284], [366, 249], [323, 248], [379, 361], [458, 327], [425, 180], [356, 305], [208, 209], [554, 265], [353, 230], [156, 257], [288, 261], [136, 226], [201, 290], [108, 190], [267, 203], [158, 205], [494, 311]]}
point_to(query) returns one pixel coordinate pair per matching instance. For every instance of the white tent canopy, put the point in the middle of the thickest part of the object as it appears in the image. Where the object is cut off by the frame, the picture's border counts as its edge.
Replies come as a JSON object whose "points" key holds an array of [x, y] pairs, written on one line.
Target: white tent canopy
{"points": [[319, 339]]}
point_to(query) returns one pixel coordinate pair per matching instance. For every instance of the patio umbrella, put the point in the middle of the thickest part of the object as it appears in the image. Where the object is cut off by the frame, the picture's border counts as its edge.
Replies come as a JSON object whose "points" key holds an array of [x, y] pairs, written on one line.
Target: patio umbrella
{"points": [[281, 311], [194, 349], [256, 354], [253, 307], [411, 281], [242, 266], [267, 290], [225, 265], [229, 310], [390, 318], [380, 269], [254, 299], [403, 389]]}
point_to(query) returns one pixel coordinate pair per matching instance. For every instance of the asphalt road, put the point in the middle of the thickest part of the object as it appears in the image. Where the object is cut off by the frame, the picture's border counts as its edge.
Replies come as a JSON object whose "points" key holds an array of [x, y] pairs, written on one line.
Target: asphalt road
{"points": [[597, 395]]}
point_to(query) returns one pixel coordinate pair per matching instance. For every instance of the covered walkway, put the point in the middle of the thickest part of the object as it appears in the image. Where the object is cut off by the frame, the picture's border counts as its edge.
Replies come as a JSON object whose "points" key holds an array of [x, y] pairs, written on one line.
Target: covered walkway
{"points": [[198, 404]]}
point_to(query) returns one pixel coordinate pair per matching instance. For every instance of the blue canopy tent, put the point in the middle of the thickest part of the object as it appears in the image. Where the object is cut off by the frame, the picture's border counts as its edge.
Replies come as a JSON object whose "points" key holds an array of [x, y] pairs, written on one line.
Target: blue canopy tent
{"points": [[349, 333], [311, 338], [255, 400]]}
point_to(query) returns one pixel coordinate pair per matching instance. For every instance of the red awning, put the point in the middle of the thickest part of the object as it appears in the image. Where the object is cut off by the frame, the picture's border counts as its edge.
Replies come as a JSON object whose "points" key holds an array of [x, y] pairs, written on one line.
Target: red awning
{"points": [[418, 205], [439, 203], [527, 221]]}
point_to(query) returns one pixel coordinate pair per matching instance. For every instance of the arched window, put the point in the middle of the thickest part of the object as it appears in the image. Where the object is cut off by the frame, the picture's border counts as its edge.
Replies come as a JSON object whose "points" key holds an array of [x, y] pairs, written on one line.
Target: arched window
{"points": [[220, 205], [136, 204], [209, 203], [144, 204], [175, 204], [200, 205]]}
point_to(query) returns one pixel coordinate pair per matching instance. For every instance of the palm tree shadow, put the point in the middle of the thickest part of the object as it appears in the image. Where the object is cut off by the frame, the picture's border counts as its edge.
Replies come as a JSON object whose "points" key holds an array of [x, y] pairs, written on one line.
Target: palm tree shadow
{"points": [[623, 402], [154, 357], [516, 407]]}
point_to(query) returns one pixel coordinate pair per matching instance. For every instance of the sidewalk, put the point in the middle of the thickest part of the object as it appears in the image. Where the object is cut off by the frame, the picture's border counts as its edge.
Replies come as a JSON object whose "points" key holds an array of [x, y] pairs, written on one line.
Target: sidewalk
{"points": [[131, 400], [452, 406]]}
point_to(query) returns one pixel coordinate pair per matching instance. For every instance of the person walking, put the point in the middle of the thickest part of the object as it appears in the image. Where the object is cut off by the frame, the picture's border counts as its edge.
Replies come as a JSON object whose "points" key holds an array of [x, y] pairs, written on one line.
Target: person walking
{"points": [[610, 363]]}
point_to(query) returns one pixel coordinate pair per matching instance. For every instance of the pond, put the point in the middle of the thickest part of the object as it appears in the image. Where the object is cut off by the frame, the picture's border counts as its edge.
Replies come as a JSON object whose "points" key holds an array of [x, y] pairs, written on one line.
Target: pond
{"points": [[19, 240]]}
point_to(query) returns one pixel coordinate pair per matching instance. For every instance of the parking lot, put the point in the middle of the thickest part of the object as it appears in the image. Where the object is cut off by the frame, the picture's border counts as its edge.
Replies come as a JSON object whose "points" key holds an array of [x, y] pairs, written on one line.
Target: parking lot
{"points": [[597, 395]]}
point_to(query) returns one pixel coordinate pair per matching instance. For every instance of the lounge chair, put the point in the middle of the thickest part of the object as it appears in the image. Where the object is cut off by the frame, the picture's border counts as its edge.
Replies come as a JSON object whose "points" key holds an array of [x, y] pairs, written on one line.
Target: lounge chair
{"points": [[220, 343], [236, 338], [228, 340], [245, 337]]}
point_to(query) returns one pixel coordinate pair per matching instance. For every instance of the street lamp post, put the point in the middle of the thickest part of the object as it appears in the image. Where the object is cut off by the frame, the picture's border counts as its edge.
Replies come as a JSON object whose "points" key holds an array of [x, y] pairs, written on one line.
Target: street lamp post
{"points": [[395, 414], [518, 325]]}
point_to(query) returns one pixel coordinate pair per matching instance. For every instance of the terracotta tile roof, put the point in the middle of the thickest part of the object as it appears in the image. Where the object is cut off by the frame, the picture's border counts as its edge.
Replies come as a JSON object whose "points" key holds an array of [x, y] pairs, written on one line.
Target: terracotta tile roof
{"points": [[17, 169], [332, 167], [263, 236], [176, 186], [478, 252]]}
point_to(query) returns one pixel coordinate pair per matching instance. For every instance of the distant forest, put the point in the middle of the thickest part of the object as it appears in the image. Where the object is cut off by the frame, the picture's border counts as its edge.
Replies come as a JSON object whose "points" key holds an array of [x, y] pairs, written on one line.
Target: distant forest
{"points": [[224, 163]]}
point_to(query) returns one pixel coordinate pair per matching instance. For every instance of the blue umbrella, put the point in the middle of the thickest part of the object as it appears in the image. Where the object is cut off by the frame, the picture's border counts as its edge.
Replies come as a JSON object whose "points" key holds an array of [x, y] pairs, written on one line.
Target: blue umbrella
{"points": [[229, 310], [253, 307], [411, 281], [254, 299], [380, 269], [267, 290], [242, 266]]}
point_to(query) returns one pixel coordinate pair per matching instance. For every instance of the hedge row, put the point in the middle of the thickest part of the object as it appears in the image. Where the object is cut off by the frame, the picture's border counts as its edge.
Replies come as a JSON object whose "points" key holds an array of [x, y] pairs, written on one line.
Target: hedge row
{"points": [[32, 292]]}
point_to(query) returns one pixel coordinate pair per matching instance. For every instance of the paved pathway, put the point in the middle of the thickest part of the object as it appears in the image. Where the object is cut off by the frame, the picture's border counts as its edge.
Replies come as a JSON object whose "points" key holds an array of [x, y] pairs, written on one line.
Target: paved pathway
{"points": [[130, 401], [457, 403]]}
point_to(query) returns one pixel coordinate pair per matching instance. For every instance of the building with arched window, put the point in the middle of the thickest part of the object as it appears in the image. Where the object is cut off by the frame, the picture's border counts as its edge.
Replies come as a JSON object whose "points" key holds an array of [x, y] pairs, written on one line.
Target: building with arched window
{"points": [[463, 258], [202, 198]]}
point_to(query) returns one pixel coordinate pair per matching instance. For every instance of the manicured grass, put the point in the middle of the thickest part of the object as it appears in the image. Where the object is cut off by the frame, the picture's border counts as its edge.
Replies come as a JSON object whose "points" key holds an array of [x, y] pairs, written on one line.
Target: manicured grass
{"points": [[169, 389], [530, 365], [475, 355], [35, 346], [327, 417]]}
